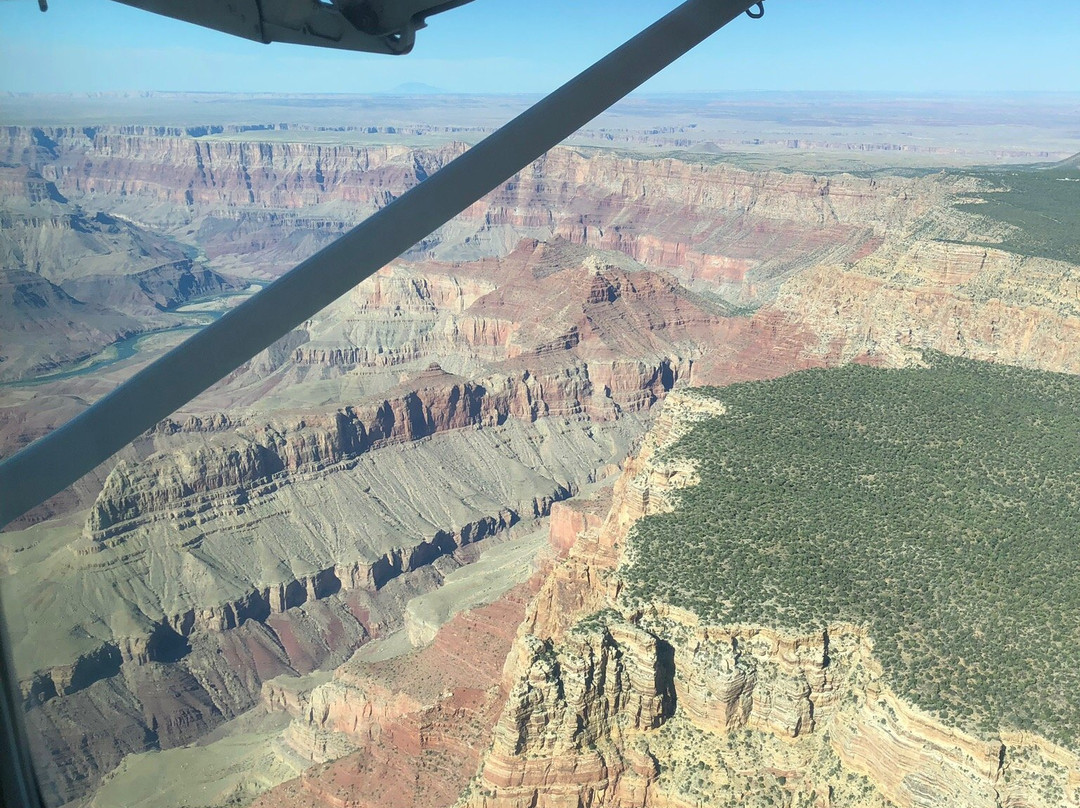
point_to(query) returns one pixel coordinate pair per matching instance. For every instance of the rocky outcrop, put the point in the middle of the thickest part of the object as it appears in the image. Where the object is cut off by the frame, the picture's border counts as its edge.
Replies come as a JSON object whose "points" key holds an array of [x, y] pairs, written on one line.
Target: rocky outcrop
{"points": [[250, 544], [725, 714], [228, 471], [572, 518], [568, 712], [198, 528], [608, 342], [407, 731], [559, 742], [240, 581]]}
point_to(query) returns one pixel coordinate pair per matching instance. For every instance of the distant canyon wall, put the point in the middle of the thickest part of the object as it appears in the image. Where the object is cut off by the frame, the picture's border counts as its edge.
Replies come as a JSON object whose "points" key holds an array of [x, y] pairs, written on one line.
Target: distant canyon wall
{"points": [[714, 225]]}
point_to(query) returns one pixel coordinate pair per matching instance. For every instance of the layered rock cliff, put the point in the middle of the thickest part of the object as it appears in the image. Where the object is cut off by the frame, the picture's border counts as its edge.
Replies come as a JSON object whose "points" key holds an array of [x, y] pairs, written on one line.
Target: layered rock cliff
{"points": [[977, 302], [200, 529], [612, 703], [718, 227]]}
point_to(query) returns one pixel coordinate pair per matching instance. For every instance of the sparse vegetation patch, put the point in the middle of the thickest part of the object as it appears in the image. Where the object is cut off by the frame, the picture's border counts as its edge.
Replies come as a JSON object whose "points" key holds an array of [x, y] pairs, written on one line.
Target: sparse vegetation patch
{"points": [[1044, 206]]}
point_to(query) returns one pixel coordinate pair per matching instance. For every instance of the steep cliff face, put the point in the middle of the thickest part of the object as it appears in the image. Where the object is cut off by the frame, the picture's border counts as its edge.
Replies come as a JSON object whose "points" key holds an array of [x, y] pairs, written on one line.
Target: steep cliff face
{"points": [[222, 523], [841, 247], [182, 169], [560, 744], [611, 704], [218, 589], [270, 203], [771, 717], [739, 234], [976, 302], [276, 200], [633, 337], [254, 461], [402, 732], [715, 226]]}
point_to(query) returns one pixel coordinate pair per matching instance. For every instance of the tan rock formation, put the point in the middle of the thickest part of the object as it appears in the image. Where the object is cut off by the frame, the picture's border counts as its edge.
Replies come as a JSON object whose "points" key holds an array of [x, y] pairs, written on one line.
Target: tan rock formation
{"points": [[728, 715], [717, 226], [976, 302]]}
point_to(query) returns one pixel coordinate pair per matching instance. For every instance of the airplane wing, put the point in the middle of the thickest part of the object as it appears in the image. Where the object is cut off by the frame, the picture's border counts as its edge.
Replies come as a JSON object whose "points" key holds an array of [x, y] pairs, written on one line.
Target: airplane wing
{"points": [[376, 26]]}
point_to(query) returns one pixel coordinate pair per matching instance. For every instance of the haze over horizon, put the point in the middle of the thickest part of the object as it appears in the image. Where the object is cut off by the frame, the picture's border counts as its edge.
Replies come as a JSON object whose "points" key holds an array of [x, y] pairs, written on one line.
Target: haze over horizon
{"points": [[495, 46]]}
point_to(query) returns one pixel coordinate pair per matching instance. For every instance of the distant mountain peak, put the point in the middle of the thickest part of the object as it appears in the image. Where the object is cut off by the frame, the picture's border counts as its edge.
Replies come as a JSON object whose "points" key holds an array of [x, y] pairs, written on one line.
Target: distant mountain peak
{"points": [[1070, 162]]}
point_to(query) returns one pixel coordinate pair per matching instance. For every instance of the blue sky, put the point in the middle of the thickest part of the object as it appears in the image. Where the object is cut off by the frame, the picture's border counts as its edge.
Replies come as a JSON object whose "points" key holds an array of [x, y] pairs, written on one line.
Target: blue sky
{"points": [[914, 46]]}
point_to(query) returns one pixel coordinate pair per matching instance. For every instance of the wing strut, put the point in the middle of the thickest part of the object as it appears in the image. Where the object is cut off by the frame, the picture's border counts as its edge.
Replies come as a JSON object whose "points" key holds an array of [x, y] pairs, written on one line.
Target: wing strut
{"points": [[58, 459]]}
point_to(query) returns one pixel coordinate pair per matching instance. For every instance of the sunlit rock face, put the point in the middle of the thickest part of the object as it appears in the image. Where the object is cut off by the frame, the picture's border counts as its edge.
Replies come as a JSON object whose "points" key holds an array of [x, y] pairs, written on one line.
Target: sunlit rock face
{"points": [[615, 706], [978, 302], [273, 202], [228, 524], [772, 714]]}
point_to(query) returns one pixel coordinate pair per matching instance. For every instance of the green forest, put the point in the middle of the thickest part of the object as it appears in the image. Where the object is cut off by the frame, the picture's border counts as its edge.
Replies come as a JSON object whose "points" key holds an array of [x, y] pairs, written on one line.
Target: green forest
{"points": [[938, 506], [1042, 204]]}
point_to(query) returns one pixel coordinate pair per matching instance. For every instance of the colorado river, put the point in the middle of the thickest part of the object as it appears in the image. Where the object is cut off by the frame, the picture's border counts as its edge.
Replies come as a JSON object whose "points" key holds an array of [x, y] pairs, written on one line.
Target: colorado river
{"points": [[129, 346]]}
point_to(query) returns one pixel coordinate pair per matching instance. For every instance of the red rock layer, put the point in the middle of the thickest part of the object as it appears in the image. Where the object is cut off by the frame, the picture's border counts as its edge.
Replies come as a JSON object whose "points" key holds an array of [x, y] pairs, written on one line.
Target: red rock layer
{"points": [[423, 722], [714, 225]]}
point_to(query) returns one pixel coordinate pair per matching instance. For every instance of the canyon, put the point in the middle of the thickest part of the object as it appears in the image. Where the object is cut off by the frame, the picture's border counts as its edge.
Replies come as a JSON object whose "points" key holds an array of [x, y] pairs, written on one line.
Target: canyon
{"points": [[266, 563]]}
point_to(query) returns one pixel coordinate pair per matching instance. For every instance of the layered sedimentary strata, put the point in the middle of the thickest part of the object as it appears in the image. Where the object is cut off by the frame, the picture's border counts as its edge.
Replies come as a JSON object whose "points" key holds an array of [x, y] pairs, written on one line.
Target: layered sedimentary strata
{"points": [[644, 705], [173, 690], [407, 731], [222, 524], [232, 578], [845, 731], [717, 226], [286, 518], [977, 302], [477, 482], [182, 169]]}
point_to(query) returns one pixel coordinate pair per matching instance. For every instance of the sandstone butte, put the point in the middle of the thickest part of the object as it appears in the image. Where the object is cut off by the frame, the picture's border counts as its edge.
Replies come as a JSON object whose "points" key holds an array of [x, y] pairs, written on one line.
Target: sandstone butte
{"points": [[655, 273]]}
